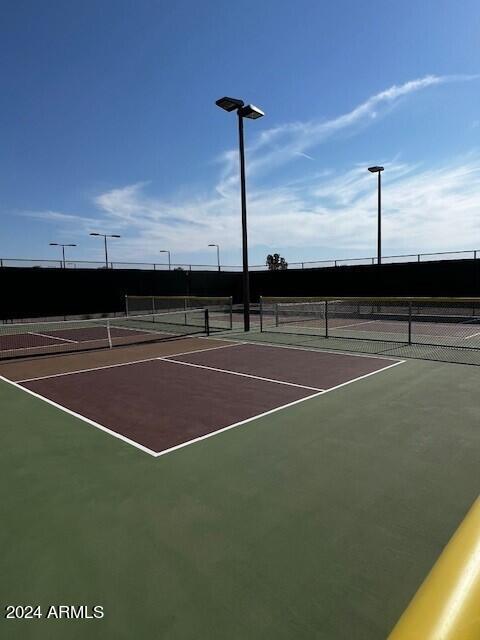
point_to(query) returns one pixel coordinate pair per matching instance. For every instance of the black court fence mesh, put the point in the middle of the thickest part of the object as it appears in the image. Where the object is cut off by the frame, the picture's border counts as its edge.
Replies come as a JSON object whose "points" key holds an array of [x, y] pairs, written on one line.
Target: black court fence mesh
{"points": [[26, 339], [431, 328], [220, 308]]}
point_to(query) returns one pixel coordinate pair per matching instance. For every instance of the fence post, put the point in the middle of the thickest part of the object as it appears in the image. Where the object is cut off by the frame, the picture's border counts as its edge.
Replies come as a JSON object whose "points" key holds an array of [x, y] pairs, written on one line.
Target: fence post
{"points": [[126, 304], [474, 256], [207, 322], [419, 257], [410, 322], [335, 263], [326, 318], [261, 314], [231, 312]]}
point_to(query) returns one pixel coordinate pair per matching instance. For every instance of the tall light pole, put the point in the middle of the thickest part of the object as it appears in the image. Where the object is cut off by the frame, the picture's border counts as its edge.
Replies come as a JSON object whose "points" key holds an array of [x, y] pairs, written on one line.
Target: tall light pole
{"points": [[218, 253], [58, 244], [243, 111], [169, 260], [379, 170], [105, 236]]}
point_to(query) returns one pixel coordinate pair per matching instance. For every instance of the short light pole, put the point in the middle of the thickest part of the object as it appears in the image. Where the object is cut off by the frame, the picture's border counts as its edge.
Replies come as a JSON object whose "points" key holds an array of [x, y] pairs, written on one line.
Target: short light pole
{"points": [[379, 170], [169, 259], [218, 254], [58, 244], [105, 236], [251, 112]]}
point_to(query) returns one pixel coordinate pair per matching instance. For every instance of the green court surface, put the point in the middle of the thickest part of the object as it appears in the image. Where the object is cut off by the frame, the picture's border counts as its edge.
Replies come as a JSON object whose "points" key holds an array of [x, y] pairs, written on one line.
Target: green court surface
{"points": [[318, 521]]}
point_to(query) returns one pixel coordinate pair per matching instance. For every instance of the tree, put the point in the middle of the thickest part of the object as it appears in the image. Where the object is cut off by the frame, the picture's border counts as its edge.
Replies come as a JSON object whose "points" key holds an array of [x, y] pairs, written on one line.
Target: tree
{"points": [[276, 263]]}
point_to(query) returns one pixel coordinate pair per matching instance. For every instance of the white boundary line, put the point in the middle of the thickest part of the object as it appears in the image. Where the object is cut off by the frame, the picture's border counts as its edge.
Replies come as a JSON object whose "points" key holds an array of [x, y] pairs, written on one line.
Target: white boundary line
{"points": [[194, 440], [237, 424], [237, 373], [123, 364], [45, 335], [266, 413], [80, 417]]}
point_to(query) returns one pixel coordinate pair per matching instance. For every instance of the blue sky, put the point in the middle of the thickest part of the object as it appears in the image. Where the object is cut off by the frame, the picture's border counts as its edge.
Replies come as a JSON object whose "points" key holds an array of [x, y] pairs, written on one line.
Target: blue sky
{"points": [[108, 123]]}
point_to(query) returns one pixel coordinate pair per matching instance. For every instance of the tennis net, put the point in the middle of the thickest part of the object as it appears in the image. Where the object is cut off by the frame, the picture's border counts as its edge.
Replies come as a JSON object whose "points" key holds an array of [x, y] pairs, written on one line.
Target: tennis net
{"points": [[220, 307], [44, 338]]}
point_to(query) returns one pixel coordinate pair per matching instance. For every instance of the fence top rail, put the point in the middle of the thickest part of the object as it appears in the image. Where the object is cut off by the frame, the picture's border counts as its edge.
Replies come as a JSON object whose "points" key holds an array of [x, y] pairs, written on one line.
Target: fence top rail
{"points": [[397, 299]]}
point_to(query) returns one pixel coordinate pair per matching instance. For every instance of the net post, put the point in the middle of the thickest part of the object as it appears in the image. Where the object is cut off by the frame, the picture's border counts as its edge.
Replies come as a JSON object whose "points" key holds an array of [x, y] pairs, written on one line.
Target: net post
{"points": [[207, 322], [326, 318], [261, 314], [410, 322], [109, 335]]}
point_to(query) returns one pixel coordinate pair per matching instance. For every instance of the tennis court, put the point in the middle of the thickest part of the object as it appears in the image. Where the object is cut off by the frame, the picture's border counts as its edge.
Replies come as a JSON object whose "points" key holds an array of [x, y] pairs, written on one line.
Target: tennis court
{"points": [[396, 330], [250, 381], [26, 339], [446, 329]]}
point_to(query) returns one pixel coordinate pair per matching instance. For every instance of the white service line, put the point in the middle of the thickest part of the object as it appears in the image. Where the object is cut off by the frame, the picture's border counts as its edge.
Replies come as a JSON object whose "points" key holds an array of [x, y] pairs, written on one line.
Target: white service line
{"points": [[266, 413], [237, 373], [313, 350], [186, 353], [120, 364], [344, 326], [80, 417], [472, 336], [46, 335]]}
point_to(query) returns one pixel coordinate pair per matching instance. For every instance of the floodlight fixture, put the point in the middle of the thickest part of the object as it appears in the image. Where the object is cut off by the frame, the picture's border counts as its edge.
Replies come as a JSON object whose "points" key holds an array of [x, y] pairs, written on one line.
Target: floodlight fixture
{"points": [[59, 244], [169, 259], [375, 169], [105, 236], [218, 253], [251, 111], [229, 104]]}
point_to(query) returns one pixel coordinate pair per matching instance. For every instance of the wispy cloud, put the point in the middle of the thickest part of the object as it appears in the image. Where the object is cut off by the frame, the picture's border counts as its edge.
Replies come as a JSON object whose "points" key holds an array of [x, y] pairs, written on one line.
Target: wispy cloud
{"points": [[434, 209], [279, 145], [423, 208]]}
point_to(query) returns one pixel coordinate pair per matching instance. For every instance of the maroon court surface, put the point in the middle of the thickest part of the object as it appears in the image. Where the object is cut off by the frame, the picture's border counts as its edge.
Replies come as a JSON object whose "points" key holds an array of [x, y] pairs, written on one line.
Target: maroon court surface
{"points": [[167, 402]]}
